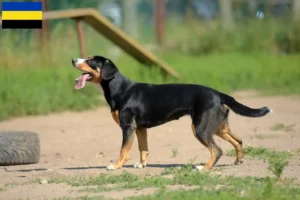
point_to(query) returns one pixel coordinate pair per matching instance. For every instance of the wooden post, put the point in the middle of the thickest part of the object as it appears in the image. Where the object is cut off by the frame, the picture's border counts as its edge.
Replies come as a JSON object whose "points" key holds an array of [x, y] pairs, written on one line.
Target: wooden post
{"points": [[81, 38], [43, 34], [159, 21]]}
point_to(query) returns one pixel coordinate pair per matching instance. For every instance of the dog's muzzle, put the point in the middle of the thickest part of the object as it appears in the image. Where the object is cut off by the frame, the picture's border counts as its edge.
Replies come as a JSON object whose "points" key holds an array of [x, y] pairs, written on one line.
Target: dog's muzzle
{"points": [[77, 61]]}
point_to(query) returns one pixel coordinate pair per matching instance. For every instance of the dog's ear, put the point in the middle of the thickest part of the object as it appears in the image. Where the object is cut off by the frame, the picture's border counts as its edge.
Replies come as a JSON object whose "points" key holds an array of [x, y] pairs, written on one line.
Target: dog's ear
{"points": [[108, 70]]}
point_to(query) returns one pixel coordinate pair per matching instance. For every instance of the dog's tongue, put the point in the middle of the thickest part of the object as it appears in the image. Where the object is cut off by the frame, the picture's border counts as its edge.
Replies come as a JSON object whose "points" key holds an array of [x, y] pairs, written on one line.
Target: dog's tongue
{"points": [[82, 81]]}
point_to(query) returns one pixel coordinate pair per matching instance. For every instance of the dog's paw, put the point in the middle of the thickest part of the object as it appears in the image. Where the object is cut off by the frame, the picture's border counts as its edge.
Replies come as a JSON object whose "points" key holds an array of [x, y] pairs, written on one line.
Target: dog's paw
{"points": [[239, 161], [139, 165], [111, 167], [200, 167]]}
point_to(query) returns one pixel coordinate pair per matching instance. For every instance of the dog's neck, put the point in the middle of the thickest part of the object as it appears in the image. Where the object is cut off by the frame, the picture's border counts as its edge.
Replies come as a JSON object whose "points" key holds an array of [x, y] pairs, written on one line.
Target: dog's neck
{"points": [[115, 89]]}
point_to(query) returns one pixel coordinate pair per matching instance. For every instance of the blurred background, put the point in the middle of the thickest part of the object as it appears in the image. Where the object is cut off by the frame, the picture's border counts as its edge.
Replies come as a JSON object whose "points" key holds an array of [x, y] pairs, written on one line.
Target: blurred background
{"points": [[229, 45]]}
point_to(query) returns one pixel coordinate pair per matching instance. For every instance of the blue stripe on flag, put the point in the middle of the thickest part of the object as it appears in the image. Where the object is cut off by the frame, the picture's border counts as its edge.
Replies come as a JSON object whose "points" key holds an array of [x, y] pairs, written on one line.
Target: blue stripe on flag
{"points": [[22, 6]]}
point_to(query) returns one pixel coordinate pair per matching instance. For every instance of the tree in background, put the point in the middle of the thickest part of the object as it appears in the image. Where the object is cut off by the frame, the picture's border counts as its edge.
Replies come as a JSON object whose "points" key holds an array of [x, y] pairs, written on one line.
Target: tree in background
{"points": [[226, 14], [296, 9], [130, 17]]}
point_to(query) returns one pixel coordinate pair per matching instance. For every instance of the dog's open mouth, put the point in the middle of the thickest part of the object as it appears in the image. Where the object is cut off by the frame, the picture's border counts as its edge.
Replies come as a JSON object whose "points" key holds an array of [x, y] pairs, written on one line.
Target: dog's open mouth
{"points": [[81, 81]]}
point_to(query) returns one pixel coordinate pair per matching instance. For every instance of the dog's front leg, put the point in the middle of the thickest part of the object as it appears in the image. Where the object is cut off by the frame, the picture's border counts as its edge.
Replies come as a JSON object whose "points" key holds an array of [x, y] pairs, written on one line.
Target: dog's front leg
{"points": [[128, 136]]}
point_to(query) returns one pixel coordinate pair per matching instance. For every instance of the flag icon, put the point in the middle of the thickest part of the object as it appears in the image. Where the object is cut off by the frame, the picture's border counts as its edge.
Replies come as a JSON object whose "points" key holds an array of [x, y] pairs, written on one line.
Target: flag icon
{"points": [[22, 15]]}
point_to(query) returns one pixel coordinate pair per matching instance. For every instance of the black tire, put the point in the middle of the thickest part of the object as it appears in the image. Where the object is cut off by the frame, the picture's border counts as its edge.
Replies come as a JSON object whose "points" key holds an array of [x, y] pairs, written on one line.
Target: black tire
{"points": [[19, 148]]}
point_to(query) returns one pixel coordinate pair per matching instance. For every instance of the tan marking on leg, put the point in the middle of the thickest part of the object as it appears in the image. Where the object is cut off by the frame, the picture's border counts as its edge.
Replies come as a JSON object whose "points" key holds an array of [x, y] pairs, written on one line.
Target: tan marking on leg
{"points": [[225, 133], [125, 149], [194, 130], [124, 153], [236, 138], [127, 157], [213, 149], [239, 140], [213, 158], [143, 146], [115, 116]]}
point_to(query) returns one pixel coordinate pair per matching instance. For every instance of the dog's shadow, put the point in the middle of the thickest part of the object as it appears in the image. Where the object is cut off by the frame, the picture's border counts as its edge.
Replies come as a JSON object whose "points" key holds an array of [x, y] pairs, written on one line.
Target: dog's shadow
{"points": [[164, 166], [127, 166]]}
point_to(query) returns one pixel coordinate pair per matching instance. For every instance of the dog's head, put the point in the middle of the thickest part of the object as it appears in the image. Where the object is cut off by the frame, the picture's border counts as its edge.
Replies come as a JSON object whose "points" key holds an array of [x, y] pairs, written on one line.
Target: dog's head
{"points": [[95, 69]]}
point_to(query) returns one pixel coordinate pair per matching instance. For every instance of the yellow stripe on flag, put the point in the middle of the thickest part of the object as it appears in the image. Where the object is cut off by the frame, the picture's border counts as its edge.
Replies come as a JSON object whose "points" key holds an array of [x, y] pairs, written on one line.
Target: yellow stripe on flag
{"points": [[22, 15]]}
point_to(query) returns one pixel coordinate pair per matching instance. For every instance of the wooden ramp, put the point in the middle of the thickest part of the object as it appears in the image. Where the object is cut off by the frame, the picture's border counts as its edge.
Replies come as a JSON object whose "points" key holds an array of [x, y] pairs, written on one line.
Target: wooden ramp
{"points": [[114, 34]]}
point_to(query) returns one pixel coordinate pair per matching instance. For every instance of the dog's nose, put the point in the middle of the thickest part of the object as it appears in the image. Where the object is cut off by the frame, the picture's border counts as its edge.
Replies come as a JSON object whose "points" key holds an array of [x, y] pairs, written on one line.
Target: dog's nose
{"points": [[74, 61]]}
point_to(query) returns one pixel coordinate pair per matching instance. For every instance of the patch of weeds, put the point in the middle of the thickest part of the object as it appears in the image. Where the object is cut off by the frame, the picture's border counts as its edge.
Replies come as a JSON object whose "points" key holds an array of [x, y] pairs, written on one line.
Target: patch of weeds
{"points": [[174, 170], [101, 188], [298, 152], [6, 185], [262, 136], [102, 179], [289, 180], [277, 127], [282, 127], [277, 164], [219, 168], [97, 198], [83, 198], [155, 181], [122, 181], [261, 153], [277, 160], [174, 152], [2, 189]]}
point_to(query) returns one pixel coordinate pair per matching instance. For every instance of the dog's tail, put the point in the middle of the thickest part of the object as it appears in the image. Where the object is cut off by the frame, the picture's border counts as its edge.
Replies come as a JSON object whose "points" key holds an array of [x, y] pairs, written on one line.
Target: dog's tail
{"points": [[241, 109]]}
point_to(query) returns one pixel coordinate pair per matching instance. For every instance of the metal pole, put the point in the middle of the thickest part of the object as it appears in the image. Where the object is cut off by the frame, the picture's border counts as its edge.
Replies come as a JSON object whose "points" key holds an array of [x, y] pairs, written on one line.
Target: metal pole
{"points": [[81, 38], [159, 21]]}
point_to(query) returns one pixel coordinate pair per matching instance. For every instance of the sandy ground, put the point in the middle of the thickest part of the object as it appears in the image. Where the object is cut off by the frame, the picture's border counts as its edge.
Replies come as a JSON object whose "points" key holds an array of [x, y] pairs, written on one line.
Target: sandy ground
{"points": [[83, 144]]}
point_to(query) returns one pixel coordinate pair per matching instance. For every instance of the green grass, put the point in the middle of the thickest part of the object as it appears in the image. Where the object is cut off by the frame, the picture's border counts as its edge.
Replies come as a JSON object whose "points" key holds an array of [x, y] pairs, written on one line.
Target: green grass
{"points": [[298, 152], [210, 186], [277, 160], [263, 136], [261, 153], [41, 90], [282, 127], [31, 91], [198, 38], [175, 152]]}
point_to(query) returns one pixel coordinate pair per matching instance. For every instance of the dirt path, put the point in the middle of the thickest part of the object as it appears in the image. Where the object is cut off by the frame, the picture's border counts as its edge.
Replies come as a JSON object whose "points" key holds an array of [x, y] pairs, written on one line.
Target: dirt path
{"points": [[85, 143]]}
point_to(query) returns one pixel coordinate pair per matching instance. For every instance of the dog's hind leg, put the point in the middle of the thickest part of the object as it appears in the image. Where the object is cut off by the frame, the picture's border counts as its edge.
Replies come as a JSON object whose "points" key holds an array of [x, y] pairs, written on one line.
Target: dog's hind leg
{"points": [[225, 133], [238, 139], [141, 134], [204, 127]]}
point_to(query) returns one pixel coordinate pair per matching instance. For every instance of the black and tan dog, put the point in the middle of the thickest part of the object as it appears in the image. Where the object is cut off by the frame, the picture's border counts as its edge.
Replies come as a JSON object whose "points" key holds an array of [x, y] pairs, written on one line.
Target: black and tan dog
{"points": [[138, 106]]}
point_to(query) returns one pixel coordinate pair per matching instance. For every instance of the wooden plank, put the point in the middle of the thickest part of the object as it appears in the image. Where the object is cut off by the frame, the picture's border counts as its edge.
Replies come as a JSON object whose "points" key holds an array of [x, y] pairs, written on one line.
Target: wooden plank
{"points": [[112, 33]]}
